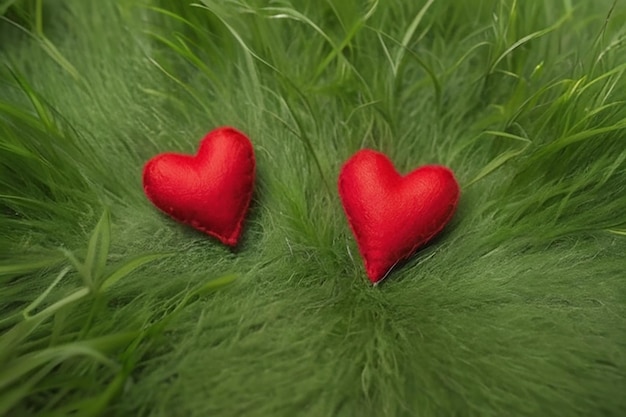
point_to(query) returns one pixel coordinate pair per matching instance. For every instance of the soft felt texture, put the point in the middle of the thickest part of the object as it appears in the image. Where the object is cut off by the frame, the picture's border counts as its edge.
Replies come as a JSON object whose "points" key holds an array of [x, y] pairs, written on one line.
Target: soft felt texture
{"points": [[210, 191], [393, 215], [517, 309]]}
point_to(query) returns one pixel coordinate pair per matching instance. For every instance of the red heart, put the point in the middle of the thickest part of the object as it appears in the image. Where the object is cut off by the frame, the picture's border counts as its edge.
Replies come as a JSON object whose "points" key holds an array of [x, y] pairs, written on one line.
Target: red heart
{"points": [[393, 215], [210, 191]]}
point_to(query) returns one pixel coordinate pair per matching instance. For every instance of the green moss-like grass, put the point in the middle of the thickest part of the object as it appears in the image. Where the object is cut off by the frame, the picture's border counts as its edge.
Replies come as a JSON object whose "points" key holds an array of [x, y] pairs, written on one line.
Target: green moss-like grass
{"points": [[109, 308]]}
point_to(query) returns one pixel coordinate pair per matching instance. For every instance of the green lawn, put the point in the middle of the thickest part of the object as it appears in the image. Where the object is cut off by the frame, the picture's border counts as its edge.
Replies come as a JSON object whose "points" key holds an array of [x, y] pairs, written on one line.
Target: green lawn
{"points": [[108, 307]]}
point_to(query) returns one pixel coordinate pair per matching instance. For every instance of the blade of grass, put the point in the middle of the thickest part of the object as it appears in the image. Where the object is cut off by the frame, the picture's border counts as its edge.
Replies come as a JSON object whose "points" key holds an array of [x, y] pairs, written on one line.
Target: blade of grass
{"points": [[94, 349], [98, 249], [354, 30], [32, 306], [22, 330], [83, 272], [41, 109], [4, 6], [12, 269], [12, 397], [526, 39], [501, 159], [128, 267], [579, 137], [408, 35], [249, 56], [51, 50]]}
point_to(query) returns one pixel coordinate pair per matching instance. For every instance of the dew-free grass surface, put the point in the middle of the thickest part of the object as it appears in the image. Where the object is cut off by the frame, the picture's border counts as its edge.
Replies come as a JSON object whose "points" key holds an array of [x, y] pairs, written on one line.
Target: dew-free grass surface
{"points": [[109, 308]]}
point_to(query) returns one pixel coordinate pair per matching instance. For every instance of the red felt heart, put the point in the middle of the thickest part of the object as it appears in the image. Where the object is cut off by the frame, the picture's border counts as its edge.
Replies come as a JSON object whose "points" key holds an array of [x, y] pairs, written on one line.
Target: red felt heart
{"points": [[393, 215], [210, 191]]}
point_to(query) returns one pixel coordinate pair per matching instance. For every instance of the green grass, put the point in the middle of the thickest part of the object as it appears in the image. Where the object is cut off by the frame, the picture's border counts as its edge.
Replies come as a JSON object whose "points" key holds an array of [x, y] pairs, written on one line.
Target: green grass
{"points": [[109, 308]]}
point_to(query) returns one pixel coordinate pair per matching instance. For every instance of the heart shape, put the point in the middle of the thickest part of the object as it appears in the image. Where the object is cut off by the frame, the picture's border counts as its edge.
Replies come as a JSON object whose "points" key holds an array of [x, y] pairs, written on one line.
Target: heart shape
{"points": [[210, 191], [392, 215]]}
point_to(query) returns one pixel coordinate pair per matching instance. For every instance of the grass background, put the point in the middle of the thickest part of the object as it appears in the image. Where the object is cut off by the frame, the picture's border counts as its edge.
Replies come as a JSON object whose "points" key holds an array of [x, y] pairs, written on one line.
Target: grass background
{"points": [[109, 308]]}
